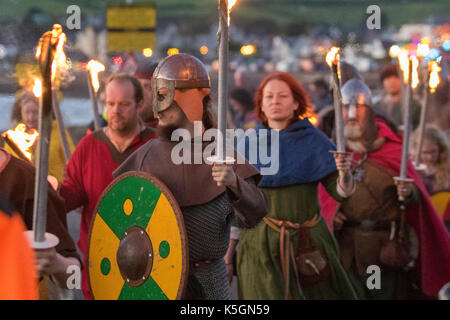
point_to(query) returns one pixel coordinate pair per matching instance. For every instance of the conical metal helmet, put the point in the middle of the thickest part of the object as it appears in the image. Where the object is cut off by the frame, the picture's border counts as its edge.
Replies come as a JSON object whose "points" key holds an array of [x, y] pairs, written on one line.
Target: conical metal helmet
{"points": [[179, 71], [355, 92]]}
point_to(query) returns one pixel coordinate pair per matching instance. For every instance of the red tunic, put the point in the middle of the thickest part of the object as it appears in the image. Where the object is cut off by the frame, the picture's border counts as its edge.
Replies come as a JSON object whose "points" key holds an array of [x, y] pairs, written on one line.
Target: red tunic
{"points": [[88, 173]]}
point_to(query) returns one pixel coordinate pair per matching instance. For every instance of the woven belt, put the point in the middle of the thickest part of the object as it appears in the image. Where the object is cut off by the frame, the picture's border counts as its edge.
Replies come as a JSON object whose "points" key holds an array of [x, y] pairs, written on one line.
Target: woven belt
{"points": [[286, 230]]}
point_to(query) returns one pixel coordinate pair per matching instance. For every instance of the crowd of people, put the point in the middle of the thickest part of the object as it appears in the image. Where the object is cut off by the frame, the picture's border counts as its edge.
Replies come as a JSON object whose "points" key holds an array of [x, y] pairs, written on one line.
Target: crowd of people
{"points": [[310, 231]]}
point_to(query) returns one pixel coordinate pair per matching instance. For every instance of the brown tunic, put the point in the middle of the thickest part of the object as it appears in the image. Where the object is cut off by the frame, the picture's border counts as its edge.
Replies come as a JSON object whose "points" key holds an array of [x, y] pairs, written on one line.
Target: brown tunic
{"points": [[207, 209], [17, 185], [369, 212], [192, 184]]}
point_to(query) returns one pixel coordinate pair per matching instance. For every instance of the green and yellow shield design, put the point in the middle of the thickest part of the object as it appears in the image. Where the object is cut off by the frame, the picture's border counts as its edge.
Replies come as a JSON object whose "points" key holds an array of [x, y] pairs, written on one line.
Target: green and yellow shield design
{"points": [[137, 243]]}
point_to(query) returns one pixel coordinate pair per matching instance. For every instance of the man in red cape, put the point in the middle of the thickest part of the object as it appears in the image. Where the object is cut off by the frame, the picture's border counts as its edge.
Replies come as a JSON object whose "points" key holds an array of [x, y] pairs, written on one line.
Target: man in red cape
{"points": [[431, 270]]}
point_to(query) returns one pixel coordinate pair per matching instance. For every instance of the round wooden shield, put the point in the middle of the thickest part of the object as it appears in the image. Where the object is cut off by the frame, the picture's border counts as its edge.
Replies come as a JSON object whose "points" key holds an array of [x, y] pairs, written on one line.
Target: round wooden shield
{"points": [[137, 242], [441, 201]]}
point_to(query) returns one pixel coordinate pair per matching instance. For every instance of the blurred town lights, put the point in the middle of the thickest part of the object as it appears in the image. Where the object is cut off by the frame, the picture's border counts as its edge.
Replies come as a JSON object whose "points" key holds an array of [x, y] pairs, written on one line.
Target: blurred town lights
{"points": [[446, 45], [248, 50], [117, 60], [172, 51], [394, 51], [422, 49], [147, 52], [203, 50], [433, 54]]}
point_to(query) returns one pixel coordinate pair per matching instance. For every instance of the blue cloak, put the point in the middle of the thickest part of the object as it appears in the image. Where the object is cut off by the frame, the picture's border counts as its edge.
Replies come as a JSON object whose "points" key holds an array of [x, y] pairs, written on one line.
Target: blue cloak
{"points": [[304, 155]]}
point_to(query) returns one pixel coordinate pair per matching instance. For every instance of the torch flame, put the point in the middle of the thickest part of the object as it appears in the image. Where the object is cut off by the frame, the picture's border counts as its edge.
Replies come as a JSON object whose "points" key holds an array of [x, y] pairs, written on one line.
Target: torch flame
{"points": [[414, 73], [94, 67], [231, 4], [37, 88], [434, 75], [38, 49], [394, 51], [59, 38], [60, 56], [423, 49], [312, 117], [332, 56], [404, 64], [23, 140]]}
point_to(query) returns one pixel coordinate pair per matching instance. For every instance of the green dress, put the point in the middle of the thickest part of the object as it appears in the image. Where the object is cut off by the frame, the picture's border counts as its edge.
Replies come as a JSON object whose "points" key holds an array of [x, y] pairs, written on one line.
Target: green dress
{"points": [[258, 256]]}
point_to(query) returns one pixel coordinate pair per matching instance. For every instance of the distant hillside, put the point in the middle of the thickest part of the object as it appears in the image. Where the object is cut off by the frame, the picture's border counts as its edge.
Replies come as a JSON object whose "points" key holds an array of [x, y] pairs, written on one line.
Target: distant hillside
{"points": [[273, 15]]}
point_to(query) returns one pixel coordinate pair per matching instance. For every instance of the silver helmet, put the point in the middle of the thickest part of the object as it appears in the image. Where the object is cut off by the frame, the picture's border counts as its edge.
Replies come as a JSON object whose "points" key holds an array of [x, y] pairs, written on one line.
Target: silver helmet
{"points": [[355, 92], [179, 71]]}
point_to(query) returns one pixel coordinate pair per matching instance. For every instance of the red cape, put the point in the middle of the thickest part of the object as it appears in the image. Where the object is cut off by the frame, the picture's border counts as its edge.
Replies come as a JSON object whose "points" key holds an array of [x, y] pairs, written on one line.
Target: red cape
{"points": [[433, 265]]}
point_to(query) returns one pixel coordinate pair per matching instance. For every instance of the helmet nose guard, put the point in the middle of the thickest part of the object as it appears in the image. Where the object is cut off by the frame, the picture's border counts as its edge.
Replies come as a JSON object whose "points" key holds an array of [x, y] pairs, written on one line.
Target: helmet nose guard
{"points": [[355, 92]]}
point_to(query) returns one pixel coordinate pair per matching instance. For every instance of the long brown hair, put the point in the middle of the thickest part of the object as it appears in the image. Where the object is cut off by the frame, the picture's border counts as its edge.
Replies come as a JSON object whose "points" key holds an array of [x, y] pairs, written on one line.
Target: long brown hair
{"points": [[22, 98], [437, 137], [299, 94]]}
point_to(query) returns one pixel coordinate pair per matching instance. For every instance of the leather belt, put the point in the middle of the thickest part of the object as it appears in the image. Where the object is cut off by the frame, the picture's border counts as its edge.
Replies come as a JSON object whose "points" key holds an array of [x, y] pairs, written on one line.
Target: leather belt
{"points": [[369, 225], [287, 229]]}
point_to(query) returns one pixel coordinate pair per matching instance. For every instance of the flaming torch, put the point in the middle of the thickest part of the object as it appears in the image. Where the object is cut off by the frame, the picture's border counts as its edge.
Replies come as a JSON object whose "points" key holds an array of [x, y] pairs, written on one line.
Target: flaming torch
{"points": [[332, 60], [37, 88], [403, 62], [432, 83], [48, 52], [412, 80], [224, 22], [21, 141], [94, 67]]}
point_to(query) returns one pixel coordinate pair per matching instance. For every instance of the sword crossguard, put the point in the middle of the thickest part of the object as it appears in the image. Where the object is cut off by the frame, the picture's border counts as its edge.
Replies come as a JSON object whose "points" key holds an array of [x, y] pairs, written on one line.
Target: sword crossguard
{"points": [[402, 199], [216, 160], [51, 241]]}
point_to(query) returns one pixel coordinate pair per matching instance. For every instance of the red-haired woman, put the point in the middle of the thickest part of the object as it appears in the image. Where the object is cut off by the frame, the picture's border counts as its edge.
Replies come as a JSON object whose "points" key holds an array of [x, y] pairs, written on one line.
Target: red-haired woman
{"points": [[292, 254]]}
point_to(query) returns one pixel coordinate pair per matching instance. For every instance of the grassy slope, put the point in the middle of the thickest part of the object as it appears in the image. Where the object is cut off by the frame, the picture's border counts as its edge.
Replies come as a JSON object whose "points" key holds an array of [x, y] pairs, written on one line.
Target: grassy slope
{"points": [[347, 13]]}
